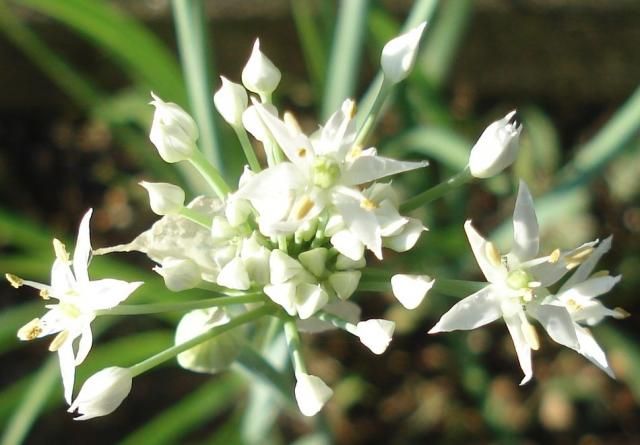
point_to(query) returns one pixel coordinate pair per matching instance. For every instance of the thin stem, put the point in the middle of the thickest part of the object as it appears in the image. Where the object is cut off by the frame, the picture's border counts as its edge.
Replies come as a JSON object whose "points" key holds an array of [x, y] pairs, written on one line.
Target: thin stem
{"points": [[373, 112], [169, 353], [247, 148], [336, 321], [293, 341], [437, 191], [191, 30], [311, 40], [380, 281], [210, 174], [155, 308], [196, 217]]}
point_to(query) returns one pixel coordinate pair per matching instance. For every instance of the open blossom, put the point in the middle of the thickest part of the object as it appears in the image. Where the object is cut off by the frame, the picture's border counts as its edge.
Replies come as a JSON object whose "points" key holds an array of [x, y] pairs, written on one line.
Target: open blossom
{"points": [[513, 286], [78, 299], [323, 173]]}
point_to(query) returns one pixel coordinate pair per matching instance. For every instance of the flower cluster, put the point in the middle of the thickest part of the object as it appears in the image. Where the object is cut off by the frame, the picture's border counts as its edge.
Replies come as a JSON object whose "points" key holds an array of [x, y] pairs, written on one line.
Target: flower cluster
{"points": [[290, 244]]}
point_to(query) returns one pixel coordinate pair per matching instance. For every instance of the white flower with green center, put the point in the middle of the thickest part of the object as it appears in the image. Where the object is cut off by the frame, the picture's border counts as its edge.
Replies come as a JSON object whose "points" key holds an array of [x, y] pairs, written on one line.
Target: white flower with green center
{"points": [[324, 172], [579, 296], [78, 301], [512, 287]]}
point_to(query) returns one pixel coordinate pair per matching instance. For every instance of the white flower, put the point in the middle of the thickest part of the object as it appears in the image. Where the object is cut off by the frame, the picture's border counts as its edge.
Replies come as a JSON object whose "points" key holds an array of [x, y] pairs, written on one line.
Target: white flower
{"points": [[260, 75], [311, 393], [511, 287], [497, 147], [164, 198], [78, 300], [213, 355], [173, 131], [410, 290], [375, 334], [179, 273], [324, 172], [231, 101], [399, 54], [102, 393]]}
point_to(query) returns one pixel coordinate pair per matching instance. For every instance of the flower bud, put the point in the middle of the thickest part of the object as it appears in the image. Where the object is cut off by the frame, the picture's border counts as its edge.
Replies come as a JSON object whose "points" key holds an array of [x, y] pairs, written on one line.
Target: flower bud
{"points": [[496, 148], [345, 283], [375, 334], [173, 131], [399, 54], [179, 274], [260, 75], [213, 355], [315, 260], [102, 393], [234, 275], [164, 198], [410, 290], [311, 393], [231, 100]]}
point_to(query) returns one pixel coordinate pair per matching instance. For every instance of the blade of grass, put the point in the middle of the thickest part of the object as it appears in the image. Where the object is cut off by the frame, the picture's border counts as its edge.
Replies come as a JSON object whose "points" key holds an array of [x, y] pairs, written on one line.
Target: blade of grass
{"points": [[313, 48], [140, 53], [190, 24], [344, 58]]}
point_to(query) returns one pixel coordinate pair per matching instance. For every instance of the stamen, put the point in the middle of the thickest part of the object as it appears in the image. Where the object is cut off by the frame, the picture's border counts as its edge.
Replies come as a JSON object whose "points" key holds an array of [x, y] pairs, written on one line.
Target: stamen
{"points": [[621, 313], [349, 109], [59, 340], [572, 265], [368, 204], [60, 250], [354, 153], [291, 122], [493, 254], [580, 256], [14, 280], [573, 305], [302, 152], [30, 330], [527, 295], [534, 284], [600, 274], [530, 335], [303, 207], [554, 256], [44, 294]]}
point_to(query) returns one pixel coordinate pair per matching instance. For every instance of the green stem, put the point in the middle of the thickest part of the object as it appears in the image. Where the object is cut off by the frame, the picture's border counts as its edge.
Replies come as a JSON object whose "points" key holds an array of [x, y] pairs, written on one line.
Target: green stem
{"points": [[380, 281], [438, 191], [210, 174], [155, 308], [311, 41], [196, 217], [293, 341], [191, 30], [336, 321], [169, 353], [247, 148], [373, 112]]}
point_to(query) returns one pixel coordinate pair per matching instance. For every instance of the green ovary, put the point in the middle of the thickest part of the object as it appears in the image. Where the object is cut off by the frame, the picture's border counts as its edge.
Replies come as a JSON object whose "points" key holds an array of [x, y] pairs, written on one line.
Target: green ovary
{"points": [[326, 172]]}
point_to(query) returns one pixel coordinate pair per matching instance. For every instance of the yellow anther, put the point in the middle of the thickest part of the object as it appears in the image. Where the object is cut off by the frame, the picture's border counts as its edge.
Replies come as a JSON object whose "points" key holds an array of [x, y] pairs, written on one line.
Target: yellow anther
{"points": [[572, 265], [621, 313], [14, 280], [572, 305], [59, 340], [349, 109], [368, 204], [580, 256], [554, 256], [355, 152], [44, 294], [527, 295], [30, 330], [493, 254], [291, 122], [534, 284], [303, 207], [600, 274], [530, 335], [60, 250], [301, 152]]}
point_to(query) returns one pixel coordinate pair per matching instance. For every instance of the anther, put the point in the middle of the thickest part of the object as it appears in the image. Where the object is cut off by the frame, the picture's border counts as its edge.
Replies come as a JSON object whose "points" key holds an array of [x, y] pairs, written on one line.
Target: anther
{"points": [[493, 254], [368, 204], [621, 313], [59, 340], [554, 256], [303, 207], [60, 250], [30, 330], [14, 280]]}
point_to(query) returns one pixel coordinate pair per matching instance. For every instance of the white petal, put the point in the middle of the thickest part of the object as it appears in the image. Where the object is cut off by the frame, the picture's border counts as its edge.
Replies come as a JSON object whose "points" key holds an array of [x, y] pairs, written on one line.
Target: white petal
{"points": [[67, 369], [234, 275], [108, 293], [494, 273], [83, 249], [375, 334], [525, 227], [311, 393], [523, 350], [557, 322], [102, 393], [362, 224], [410, 290], [592, 350], [84, 345], [585, 269], [407, 238], [348, 245], [284, 295], [309, 298], [62, 279], [472, 312], [369, 168]]}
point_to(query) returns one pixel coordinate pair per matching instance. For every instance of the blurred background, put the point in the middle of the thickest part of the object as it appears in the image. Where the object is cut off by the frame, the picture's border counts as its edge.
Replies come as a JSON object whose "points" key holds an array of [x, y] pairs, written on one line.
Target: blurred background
{"points": [[74, 119]]}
